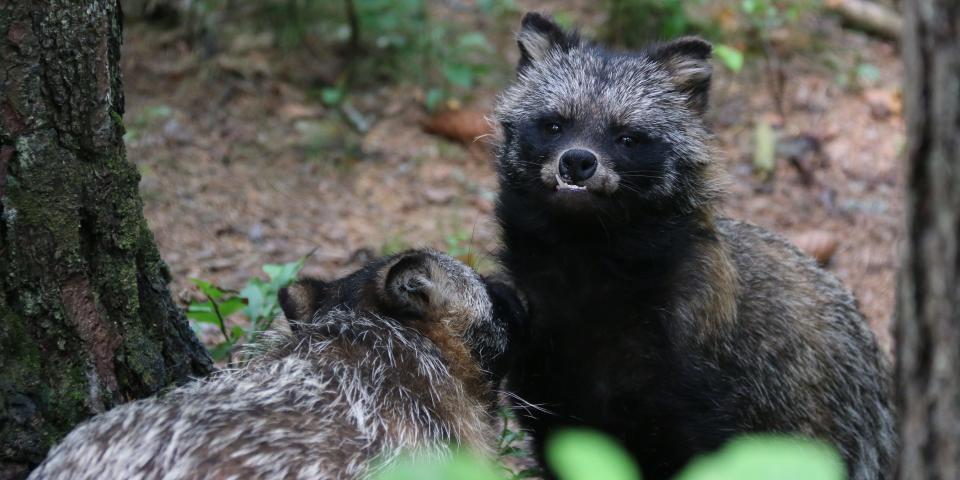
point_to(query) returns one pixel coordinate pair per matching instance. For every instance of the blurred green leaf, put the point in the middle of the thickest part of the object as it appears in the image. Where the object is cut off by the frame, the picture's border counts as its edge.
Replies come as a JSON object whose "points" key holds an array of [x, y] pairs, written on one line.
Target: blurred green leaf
{"points": [[237, 331], [434, 97], [117, 118], [253, 292], [564, 19], [157, 112], [764, 457], [473, 40], [764, 149], [257, 300], [868, 74], [203, 312], [750, 7], [729, 56], [458, 74], [529, 473], [231, 306], [282, 274], [587, 455], [332, 95], [221, 351], [460, 467], [207, 288]]}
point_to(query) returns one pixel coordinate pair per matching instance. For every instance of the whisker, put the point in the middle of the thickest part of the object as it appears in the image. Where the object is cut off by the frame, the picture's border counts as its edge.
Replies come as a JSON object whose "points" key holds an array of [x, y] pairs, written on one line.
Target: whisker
{"points": [[525, 405]]}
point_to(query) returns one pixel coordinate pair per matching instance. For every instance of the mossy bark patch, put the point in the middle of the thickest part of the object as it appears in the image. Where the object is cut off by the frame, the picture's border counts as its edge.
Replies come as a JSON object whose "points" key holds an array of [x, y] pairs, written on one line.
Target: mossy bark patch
{"points": [[86, 317]]}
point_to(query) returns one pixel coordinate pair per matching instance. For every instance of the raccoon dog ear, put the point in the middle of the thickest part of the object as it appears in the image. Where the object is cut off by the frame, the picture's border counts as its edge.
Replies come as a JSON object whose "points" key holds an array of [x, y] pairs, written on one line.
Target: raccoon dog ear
{"points": [[410, 284], [302, 298], [538, 35], [688, 61]]}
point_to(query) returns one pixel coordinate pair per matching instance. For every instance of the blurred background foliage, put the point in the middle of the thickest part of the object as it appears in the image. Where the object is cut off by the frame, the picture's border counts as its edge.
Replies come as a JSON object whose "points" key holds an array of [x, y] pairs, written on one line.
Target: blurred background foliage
{"points": [[266, 129], [450, 48], [364, 43]]}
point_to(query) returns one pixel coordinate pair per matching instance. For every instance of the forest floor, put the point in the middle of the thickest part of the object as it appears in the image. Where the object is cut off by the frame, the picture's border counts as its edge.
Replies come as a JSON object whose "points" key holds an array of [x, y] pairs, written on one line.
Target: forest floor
{"points": [[242, 167]]}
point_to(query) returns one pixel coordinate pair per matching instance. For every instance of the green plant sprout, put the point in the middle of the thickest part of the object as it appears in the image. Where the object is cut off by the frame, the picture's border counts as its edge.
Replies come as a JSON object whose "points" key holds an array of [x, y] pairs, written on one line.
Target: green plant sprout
{"points": [[257, 301]]}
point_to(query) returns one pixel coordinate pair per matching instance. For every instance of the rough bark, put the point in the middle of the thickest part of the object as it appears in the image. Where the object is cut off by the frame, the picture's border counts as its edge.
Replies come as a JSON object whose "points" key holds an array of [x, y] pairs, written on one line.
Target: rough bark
{"points": [[928, 304], [86, 317]]}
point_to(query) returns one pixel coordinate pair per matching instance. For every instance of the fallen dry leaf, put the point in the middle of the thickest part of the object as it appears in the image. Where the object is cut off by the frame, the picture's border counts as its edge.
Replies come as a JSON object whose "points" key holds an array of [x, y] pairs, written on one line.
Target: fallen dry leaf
{"points": [[818, 244], [439, 195], [296, 111], [883, 102], [464, 126]]}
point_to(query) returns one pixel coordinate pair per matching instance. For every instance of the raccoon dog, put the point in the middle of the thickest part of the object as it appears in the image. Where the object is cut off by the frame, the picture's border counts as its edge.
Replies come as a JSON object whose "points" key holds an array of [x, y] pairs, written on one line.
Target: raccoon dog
{"points": [[400, 356], [653, 318]]}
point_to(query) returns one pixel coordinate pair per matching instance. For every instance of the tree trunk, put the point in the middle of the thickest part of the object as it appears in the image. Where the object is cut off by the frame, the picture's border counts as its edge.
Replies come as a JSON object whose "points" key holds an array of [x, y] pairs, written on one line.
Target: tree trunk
{"points": [[86, 317], [928, 304]]}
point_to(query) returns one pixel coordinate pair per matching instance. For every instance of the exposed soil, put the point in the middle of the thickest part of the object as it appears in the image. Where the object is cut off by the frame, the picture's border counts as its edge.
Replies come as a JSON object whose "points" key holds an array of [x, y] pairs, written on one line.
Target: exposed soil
{"points": [[241, 168]]}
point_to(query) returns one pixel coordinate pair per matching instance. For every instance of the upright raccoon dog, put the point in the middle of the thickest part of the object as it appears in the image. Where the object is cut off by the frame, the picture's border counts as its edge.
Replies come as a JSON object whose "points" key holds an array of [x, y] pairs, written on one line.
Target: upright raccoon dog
{"points": [[399, 356], [651, 317]]}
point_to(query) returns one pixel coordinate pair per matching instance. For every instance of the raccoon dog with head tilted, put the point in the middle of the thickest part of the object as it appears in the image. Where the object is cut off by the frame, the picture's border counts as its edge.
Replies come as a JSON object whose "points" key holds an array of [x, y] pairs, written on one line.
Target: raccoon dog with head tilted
{"points": [[400, 356], [652, 318]]}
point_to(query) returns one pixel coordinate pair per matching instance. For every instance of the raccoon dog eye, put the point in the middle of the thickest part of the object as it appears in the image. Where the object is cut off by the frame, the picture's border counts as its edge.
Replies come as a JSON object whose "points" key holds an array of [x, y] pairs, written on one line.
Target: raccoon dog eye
{"points": [[633, 139], [552, 128]]}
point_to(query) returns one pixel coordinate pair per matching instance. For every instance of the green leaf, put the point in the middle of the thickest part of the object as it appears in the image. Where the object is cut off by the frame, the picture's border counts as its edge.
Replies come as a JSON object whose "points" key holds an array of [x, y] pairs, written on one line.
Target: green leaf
{"points": [[204, 317], [253, 293], [509, 437], [532, 472], [231, 306], [587, 455], [221, 351], [764, 149], [458, 74], [867, 73], [729, 56], [434, 97], [207, 288], [460, 467], [283, 274], [473, 40], [237, 332], [564, 19], [332, 96], [158, 111], [117, 118], [202, 312], [762, 457]]}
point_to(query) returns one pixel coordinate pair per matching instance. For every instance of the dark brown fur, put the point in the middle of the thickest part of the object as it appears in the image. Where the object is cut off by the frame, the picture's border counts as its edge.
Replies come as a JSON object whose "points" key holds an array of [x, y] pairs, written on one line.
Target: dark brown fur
{"points": [[653, 318]]}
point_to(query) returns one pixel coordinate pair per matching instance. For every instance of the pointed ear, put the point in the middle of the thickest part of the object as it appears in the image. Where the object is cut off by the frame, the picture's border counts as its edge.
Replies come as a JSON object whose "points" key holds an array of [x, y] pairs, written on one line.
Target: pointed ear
{"points": [[302, 298], [688, 61], [538, 35], [409, 284]]}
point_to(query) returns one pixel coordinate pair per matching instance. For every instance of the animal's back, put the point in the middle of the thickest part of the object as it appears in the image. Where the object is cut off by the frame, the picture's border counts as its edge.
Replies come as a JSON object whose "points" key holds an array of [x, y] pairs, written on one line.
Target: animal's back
{"points": [[800, 334], [227, 427], [315, 406]]}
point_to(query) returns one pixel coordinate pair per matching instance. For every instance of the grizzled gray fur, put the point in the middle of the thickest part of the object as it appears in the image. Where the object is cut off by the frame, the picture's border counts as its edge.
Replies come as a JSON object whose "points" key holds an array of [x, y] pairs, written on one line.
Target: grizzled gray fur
{"points": [[397, 357], [652, 317]]}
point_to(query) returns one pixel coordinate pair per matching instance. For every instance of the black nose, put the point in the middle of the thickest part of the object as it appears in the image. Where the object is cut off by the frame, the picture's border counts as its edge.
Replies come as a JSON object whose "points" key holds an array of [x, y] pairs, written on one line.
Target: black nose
{"points": [[577, 165]]}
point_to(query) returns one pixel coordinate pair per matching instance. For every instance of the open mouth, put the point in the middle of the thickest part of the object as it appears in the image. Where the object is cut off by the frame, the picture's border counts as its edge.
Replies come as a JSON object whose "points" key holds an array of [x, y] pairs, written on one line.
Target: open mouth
{"points": [[566, 187]]}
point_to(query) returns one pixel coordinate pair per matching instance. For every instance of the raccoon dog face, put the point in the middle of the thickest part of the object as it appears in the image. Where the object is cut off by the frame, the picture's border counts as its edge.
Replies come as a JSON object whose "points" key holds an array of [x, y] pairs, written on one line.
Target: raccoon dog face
{"points": [[421, 285], [586, 129]]}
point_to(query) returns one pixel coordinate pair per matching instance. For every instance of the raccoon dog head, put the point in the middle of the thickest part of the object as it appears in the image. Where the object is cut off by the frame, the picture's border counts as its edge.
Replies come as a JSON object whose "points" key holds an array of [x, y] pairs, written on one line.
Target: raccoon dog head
{"points": [[421, 286], [586, 129]]}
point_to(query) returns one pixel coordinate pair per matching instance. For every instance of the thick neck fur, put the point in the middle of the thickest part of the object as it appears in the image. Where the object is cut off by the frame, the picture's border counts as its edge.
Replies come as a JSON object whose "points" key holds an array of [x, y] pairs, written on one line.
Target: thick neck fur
{"points": [[616, 268]]}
